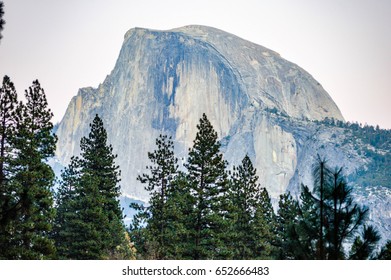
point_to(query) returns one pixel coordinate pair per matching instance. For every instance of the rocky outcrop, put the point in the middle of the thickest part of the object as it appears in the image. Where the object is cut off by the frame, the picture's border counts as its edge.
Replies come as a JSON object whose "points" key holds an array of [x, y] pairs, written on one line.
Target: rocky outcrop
{"points": [[259, 103], [164, 80]]}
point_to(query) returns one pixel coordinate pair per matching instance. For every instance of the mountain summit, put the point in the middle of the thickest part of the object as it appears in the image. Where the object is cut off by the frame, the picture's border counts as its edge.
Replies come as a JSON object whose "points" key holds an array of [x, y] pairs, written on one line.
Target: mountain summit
{"points": [[164, 80]]}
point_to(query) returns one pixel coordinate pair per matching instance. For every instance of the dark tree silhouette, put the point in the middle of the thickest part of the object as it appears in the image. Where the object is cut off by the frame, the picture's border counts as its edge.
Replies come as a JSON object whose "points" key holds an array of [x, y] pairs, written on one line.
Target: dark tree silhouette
{"points": [[8, 201], [208, 183], [2, 21], [159, 182], [89, 221], [34, 144]]}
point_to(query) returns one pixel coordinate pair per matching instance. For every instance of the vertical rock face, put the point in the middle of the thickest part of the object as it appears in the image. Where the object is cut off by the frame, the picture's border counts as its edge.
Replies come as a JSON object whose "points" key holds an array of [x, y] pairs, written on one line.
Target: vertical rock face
{"points": [[164, 80]]}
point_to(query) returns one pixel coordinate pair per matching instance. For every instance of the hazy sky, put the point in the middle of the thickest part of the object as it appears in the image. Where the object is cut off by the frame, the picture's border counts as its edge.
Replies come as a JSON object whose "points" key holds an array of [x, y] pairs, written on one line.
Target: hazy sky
{"points": [[345, 45]]}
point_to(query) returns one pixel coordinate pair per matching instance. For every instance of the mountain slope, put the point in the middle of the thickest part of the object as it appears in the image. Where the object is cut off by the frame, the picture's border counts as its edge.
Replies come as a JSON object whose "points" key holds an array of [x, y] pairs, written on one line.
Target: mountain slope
{"points": [[164, 80], [259, 103]]}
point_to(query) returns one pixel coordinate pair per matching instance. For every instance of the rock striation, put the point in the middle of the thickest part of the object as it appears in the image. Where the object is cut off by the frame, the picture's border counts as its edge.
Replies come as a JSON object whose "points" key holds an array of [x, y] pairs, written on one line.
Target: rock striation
{"points": [[259, 103], [164, 80]]}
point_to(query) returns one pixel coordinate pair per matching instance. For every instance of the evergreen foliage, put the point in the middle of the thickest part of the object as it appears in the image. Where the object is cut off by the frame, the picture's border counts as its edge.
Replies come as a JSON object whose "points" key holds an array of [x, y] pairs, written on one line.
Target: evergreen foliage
{"points": [[33, 144], [161, 187], [265, 226], [8, 201], [385, 253], [252, 215], [2, 21], [89, 220], [179, 216], [364, 246], [287, 218], [326, 220], [66, 195], [201, 214], [208, 187], [345, 218], [373, 143]]}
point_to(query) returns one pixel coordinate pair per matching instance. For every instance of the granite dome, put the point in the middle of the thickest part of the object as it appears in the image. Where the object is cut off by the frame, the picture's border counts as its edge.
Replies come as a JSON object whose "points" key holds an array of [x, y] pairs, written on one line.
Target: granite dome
{"points": [[164, 80]]}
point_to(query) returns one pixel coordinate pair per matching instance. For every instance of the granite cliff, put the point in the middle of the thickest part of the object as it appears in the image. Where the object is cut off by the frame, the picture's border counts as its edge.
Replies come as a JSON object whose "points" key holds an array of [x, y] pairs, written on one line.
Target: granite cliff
{"points": [[259, 103]]}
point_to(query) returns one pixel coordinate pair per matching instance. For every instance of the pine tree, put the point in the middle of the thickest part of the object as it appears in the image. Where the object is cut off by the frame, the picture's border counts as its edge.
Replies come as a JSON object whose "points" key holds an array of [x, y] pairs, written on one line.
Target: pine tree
{"points": [[89, 220], [244, 197], [320, 186], [208, 186], [159, 184], [85, 231], [2, 21], [264, 224], [307, 230], [252, 214], [8, 201], [287, 218], [138, 233], [364, 246], [179, 214], [66, 197], [34, 144], [344, 217], [98, 162], [327, 218], [385, 253]]}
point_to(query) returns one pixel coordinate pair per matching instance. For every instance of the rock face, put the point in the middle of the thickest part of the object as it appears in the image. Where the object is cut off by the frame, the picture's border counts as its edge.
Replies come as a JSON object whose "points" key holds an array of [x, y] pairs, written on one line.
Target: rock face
{"points": [[259, 103], [164, 80]]}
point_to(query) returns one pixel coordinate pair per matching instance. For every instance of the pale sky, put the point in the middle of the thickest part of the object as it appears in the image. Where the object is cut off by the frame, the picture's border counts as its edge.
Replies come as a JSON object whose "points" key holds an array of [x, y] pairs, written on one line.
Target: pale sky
{"points": [[345, 45]]}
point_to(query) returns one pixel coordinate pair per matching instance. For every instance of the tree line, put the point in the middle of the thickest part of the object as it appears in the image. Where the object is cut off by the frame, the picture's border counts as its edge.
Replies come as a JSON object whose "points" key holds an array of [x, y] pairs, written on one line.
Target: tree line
{"points": [[210, 212], [200, 211], [82, 219]]}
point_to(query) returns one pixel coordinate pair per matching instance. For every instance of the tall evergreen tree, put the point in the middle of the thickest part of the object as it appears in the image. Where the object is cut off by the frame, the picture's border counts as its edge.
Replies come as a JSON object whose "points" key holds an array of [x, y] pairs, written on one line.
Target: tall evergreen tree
{"points": [[89, 220], [307, 230], [179, 215], [287, 218], [244, 196], [34, 144], [66, 198], [8, 201], [327, 218], [208, 186], [320, 186], [265, 227], [2, 21], [159, 184], [364, 246], [344, 217], [252, 213]]}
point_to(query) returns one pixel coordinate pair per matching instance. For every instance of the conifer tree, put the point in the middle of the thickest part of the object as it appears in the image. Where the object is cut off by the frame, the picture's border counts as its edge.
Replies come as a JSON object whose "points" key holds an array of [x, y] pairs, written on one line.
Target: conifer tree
{"points": [[287, 218], [85, 232], [344, 217], [66, 198], [2, 21], [264, 224], [89, 222], [307, 230], [138, 232], [364, 246], [8, 201], [252, 213], [244, 196], [179, 215], [34, 143], [98, 161], [159, 184], [208, 187], [328, 217], [385, 253]]}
